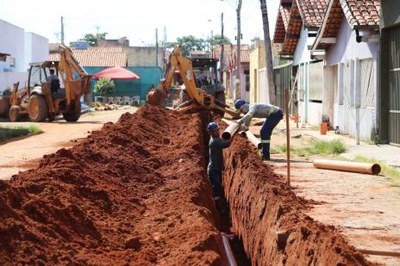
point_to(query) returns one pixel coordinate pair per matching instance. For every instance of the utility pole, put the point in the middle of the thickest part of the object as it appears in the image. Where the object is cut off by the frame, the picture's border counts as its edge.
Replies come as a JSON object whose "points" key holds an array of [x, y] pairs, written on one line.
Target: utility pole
{"points": [[212, 44], [268, 53], [221, 68], [156, 46], [238, 90], [62, 30]]}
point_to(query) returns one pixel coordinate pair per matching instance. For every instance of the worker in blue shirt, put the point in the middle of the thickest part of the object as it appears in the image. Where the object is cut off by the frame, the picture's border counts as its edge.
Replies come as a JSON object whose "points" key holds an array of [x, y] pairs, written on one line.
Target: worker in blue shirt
{"points": [[216, 165], [273, 115]]}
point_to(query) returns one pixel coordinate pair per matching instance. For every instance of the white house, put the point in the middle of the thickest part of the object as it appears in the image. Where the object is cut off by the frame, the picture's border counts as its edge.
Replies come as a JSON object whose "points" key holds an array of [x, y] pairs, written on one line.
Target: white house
{"points": [[296, 32], [17, 50], [348, 42]]}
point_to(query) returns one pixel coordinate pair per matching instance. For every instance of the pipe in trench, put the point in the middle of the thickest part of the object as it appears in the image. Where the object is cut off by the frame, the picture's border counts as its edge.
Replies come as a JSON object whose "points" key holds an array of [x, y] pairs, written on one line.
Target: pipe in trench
{"points": [[228, 250], [367, 168]]}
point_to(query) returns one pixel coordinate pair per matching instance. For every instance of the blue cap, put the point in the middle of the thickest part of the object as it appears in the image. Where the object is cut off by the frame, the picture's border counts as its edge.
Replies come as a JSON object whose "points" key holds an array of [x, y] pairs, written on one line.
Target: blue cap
{"points": [[212, 126], [239, 103]]}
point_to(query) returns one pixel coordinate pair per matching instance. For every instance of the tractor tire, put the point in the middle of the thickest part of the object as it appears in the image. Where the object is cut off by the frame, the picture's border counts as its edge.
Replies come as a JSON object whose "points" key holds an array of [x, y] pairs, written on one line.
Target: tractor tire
{"points": [[37, 108], [220, 97], [4, 106], [15, 113], [74, 114]]}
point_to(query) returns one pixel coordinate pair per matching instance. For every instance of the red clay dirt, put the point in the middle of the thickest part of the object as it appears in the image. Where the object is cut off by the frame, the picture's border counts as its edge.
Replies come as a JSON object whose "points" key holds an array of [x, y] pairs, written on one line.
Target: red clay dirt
{"points": [[136, 193]]}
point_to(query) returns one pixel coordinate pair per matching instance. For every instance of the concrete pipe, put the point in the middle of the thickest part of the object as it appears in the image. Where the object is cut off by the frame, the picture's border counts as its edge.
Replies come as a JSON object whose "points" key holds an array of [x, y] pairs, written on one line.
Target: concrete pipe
{"points": [[230, 131], [367, 168]]}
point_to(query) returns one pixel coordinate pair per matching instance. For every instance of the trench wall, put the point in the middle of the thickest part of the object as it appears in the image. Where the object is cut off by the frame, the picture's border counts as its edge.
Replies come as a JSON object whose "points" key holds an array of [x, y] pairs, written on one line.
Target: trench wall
{"points": [[271, 220], [133, 193]]}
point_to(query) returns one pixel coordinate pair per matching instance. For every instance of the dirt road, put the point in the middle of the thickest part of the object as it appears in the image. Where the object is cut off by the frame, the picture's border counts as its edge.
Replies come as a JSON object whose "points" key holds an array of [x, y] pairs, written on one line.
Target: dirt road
{"points": [[23, 154], [365, 208]]}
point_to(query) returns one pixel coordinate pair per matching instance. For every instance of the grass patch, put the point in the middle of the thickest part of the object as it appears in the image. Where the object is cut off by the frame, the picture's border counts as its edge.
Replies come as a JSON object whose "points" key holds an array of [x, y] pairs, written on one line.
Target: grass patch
{"points": [[7, 133], [392, 173], [314, 147]]}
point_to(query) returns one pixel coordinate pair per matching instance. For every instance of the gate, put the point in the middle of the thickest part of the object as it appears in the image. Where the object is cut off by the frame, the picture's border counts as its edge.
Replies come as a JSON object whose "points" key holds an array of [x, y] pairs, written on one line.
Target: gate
{"points": [[394, 86], [282, 79]]}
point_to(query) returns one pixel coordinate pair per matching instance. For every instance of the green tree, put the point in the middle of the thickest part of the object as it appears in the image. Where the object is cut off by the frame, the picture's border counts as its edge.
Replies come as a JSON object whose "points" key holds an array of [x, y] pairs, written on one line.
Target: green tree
{"points": [[104, 86], [92, 39], [218, 40], [189, 43]]}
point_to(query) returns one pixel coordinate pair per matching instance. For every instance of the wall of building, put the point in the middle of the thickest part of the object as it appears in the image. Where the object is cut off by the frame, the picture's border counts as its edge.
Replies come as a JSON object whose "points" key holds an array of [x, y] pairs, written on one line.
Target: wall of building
{"points": [[23, 48], [349, 115], [36, 48], [347, 48], [12, 42], [309, 81], [390, 13], [302, 53], [145, 56]]}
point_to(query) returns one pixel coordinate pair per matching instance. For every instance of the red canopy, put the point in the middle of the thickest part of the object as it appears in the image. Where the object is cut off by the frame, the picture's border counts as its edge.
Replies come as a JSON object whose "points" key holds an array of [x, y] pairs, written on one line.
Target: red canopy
{"points": [[116, 72]]}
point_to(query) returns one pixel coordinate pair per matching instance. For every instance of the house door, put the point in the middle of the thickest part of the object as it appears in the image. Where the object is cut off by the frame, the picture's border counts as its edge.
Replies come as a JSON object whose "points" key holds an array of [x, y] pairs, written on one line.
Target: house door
{"points": [[394, 86]]}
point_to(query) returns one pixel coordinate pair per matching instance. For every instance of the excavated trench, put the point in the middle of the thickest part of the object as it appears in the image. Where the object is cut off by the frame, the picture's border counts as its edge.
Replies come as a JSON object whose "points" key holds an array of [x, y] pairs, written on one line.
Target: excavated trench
{"points": [[136, 192]]}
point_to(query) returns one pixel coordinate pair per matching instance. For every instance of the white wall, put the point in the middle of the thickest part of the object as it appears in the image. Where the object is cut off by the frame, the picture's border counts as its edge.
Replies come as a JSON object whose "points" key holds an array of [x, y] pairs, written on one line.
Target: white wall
{"points": [[25, 48], [302, 54], [309, 112], [347, 48], [7, 79], [263, 86], [12, 42], [359, 123], [36, 48]]}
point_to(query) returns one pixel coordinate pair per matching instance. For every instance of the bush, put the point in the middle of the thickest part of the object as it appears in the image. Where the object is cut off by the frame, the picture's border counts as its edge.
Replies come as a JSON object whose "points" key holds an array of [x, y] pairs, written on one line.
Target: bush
{"points": [[104, 86], [7, 91]]}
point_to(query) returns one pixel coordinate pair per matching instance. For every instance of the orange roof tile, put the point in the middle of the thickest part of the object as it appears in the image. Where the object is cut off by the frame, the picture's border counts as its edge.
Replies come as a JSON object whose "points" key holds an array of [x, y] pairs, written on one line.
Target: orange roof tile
{"points": [[307, 13], [312, 12], [282, 22], [98, 56], [362, 12]]}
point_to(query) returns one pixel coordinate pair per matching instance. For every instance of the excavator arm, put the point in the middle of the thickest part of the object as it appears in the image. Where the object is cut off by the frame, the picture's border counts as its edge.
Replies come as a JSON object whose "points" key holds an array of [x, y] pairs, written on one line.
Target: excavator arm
{"points": [[75, 88], [199, 99]]}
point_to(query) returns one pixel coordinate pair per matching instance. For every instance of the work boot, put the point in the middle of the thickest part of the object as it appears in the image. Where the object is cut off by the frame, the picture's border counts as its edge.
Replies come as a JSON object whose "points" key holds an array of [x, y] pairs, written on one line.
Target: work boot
{"points": [[264, 152], [266, 157]]}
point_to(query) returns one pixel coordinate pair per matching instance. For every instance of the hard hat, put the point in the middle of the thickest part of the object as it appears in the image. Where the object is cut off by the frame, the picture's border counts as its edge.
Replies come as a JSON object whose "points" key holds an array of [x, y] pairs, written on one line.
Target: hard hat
{"points": [[212, 126], [239, 103]]}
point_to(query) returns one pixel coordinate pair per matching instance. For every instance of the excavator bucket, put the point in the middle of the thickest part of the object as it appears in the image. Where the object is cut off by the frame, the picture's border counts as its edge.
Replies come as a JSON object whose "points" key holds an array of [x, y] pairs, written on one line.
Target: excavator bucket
{"points": [[156, 97]]}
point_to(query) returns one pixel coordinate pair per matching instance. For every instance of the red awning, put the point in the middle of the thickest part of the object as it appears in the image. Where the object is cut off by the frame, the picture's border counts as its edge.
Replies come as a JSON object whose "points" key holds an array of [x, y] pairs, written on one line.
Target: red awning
{"points": [[117, 73]]}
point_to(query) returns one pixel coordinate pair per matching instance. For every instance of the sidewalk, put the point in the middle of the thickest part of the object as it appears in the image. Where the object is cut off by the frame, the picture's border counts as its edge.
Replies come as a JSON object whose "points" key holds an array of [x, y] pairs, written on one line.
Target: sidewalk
{"points": [[388, 154]]}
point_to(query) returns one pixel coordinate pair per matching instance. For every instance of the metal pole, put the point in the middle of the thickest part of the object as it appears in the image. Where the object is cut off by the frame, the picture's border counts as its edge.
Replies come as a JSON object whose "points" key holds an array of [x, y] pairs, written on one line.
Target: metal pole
{"points": [[221, 68], [157, 47], [287, 135], [62, 30], [238, 91]]}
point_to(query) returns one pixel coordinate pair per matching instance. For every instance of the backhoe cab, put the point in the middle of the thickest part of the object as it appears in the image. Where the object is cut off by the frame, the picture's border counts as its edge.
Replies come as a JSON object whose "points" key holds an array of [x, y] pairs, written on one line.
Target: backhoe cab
{"points": [[49, 95]]}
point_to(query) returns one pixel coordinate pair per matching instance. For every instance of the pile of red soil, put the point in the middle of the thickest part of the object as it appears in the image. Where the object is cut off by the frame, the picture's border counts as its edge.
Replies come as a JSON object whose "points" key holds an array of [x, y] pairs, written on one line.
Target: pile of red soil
{"points": [[134, 192], [271, 221]]}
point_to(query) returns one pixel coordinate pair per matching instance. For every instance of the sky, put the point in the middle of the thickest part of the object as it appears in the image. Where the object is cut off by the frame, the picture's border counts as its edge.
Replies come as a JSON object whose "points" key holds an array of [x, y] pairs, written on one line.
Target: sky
{"points": [[137, 20]]}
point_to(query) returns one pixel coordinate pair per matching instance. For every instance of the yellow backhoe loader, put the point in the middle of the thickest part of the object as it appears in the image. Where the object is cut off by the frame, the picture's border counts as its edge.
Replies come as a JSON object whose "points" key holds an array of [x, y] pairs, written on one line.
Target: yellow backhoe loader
{"points": [[48, 95], [196, 96]]}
